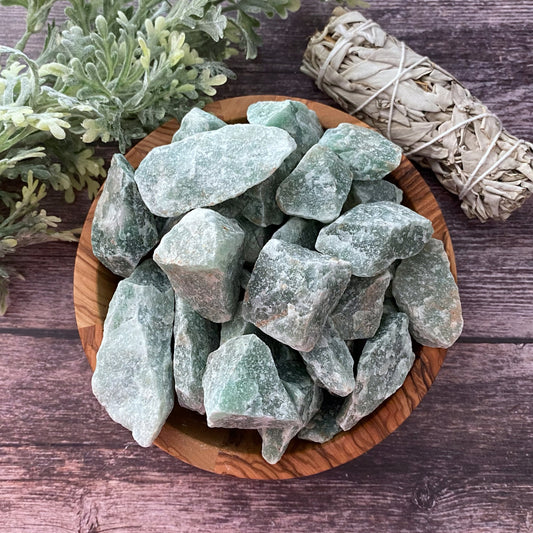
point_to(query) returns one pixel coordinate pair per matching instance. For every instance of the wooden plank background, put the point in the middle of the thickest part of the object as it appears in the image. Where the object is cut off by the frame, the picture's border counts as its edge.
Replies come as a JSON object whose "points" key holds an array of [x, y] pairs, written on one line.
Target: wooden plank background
{"points": [[461, 463]]}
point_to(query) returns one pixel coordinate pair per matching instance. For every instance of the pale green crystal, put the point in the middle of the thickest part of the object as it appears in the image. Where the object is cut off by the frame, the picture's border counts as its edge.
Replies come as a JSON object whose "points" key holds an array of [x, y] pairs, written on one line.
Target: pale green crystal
{"points": [[202, 256], [317, 188], [330, 363], [236, 327], [123, 230], [292, 291], [425, 290], [372, 236], [305, 395], [197, 121], [255, 238], [210, 167], [358, 314], [194, 339], [299, 231], [369, 155], [323, 426], [381, 370], [242, 388], [366, 192], [133, 374]]}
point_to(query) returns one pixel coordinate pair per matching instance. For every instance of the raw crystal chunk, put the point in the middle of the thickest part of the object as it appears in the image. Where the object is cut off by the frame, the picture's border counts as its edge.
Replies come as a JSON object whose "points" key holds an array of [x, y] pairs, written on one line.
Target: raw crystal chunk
{"points": [[197, 121], [133, 375], [202, 256], [210, 167], [330, 363], [323, 426], [236, 327], [305, 395], [299, 231], [372, 236], [381, 371], [194, 339], [425, 290], [292, 291], [370, 155], [366, 192], [123, 229], [358, 314], [242, 388], [317, 188], [254, 239]]}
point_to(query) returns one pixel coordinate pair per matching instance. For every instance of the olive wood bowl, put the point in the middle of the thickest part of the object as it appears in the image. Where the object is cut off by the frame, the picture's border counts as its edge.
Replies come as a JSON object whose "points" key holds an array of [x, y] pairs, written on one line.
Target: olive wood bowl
{"points": [[185, 434]]}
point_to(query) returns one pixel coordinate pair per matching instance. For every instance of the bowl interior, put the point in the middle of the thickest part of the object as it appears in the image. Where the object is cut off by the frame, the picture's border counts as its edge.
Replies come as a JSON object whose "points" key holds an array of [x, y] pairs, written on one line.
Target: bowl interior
{"points": [[238, 452]]}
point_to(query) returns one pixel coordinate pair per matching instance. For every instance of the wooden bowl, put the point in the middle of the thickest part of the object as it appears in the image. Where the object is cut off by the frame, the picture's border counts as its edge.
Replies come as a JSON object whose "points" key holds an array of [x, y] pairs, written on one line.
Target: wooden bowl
{"points": [[238, 452]]}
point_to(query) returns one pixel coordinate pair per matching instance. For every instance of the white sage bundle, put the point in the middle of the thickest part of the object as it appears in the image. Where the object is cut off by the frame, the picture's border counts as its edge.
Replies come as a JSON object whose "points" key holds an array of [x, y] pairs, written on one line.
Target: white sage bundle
{"points": [[423, 109]]}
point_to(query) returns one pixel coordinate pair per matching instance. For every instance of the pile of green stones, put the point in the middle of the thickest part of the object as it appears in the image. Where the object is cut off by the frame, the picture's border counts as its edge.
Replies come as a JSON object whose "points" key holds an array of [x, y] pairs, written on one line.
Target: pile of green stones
{"points": [[273, 280]]}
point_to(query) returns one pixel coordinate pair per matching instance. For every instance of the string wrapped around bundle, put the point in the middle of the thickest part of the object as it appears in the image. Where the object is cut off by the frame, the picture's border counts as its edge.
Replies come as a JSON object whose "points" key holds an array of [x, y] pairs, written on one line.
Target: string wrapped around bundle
{"points": [[425, 110]]}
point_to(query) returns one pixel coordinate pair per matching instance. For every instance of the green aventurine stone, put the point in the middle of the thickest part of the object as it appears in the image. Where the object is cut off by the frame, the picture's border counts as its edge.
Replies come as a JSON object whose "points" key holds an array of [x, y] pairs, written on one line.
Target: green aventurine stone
{"points": [[242, 388], [194, 339], [358, 314], [330, 363], [202, 255], [381, 371], [367, 192], [299, 231], [210, 167], [323, 426], [317, 188], [370, 155], [197, 121], [254, 239], [236, 327], [425, 290], [133, 375], [372, 236], [123, 229], [305, 395], [292, 291]]}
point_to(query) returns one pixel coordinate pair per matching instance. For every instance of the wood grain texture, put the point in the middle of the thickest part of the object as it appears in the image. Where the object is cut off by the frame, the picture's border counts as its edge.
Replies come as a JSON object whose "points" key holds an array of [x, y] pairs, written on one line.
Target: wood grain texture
{"points": [[185, 434]]}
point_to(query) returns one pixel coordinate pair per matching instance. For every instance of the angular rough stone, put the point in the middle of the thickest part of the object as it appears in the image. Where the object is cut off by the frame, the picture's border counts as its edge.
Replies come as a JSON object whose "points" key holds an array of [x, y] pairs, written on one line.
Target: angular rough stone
{"points": [[133, 375], [236, 327], [202, 256], [123, 229], [330, 363], [370, 155], [255, 238], [358, 314], [317, 188], [194, 339], [381, 370], [372, 236], [425, 290], [323, 426], [197, 121], [305, 395], [367, 192], [292, 291], [210, 167], [299, 231], [242, 388], [166, 224]]}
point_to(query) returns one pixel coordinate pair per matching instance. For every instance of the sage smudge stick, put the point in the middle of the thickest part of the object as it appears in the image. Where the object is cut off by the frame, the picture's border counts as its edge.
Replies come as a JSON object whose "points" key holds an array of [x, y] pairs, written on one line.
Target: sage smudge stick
{"points": [[425, 110]]}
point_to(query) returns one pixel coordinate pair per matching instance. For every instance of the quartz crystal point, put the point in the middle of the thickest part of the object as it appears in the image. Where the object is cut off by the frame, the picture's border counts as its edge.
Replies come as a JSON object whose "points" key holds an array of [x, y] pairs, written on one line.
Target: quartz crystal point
{"points": [[372, 236], [210, 167], [197, 121], [292, 291], [358, 313], [381, 370], [323, 426], [299, 231], [194, 339], [369, 155], [305, 395], [133, 375], [242, 388], [123, 229], [202, 256], [367, 192], [425, 290], [317, 188], [330, 363]]}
